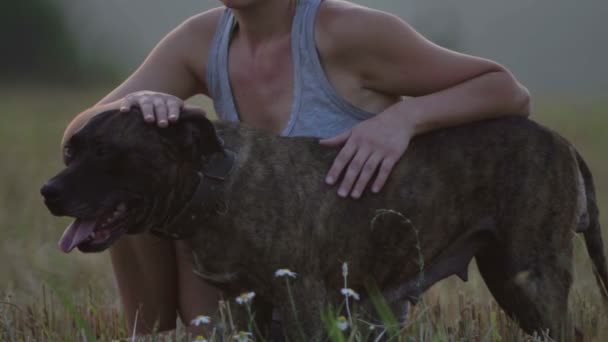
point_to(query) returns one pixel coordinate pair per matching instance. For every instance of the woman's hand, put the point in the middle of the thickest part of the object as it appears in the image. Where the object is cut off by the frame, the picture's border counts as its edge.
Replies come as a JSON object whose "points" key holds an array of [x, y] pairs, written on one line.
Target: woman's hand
{"points": [[156, 107], [374, 144]]}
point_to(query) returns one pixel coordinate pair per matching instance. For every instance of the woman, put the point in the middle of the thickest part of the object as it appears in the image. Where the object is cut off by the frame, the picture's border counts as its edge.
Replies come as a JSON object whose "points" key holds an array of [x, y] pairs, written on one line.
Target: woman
{"points": [[329, 69]]}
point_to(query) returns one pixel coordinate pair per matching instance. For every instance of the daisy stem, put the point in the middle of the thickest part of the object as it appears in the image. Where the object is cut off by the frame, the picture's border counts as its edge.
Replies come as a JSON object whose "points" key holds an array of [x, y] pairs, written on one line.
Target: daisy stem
{"points": [[252, 324], [293, 308], [249, 324], [350, 318]]}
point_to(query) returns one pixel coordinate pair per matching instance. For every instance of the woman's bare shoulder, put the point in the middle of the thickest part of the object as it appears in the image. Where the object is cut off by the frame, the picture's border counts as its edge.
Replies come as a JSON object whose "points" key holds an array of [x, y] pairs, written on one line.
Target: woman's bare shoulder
{"points": [[200, 28], [335, 31]]}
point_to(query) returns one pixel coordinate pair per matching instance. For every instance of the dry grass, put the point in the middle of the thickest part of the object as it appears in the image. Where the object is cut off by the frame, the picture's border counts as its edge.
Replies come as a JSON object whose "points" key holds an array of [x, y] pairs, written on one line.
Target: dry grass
{"points": [[48, 296]]}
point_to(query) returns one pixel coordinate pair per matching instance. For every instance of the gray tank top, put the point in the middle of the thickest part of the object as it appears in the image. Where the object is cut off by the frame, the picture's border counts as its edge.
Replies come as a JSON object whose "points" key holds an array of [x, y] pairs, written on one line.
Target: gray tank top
{"points": [[317, 109]]}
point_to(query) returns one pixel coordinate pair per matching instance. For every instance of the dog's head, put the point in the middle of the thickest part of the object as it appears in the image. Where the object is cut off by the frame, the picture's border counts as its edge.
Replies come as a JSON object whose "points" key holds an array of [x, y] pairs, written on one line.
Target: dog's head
{"points": [[120, 173]]}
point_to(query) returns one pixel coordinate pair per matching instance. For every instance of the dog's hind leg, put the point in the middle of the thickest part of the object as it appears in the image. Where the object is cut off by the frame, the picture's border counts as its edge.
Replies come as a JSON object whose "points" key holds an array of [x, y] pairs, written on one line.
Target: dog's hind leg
{"points": [[453, 259], [532, 288]]}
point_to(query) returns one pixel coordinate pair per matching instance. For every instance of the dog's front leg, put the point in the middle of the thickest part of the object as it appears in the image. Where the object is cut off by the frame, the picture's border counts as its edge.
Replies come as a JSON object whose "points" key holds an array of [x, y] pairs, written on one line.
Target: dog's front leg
{"points": [[300, 307]]}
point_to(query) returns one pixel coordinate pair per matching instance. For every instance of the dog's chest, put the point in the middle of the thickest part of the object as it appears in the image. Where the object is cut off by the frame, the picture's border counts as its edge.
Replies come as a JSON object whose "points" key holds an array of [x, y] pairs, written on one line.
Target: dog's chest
{"points": [[222, 257]]}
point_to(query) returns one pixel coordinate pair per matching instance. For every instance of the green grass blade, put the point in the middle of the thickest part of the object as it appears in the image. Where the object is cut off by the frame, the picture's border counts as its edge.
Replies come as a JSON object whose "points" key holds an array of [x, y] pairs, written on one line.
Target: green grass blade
{"points": [[67, 303], [384, 311]]}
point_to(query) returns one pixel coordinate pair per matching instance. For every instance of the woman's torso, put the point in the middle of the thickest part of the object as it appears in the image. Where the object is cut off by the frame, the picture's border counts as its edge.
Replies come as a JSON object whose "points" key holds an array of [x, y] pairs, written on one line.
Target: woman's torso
{"points": [[289, 88]]}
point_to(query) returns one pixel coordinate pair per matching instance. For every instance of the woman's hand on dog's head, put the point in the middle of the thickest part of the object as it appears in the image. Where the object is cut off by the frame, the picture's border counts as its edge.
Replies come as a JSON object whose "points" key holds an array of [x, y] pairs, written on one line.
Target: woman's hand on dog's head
{"points": [[157, 107]]}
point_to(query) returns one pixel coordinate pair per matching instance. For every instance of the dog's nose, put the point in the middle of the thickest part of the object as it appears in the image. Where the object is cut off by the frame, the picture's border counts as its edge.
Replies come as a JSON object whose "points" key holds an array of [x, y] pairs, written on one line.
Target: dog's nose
{"points": [[50, 192]]}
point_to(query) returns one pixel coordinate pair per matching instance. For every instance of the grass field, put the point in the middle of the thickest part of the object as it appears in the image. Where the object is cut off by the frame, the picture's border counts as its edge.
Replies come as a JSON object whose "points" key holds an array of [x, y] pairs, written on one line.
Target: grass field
{"points": [[46, 295]]}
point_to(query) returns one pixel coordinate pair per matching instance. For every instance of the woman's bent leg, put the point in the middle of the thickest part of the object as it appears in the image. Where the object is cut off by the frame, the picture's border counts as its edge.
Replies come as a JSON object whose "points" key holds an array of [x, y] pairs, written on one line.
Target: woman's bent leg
{"points": [[146, 273], [196, 297], [156, 282]]}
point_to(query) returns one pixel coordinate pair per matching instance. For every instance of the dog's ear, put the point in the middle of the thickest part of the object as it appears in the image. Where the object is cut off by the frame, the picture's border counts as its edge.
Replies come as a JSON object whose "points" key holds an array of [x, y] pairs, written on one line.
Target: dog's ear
{"points": [[197, 134]]}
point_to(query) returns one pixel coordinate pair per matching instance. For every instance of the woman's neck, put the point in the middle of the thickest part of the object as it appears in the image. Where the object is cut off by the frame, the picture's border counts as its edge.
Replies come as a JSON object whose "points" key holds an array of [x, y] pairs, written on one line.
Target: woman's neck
{"points": [[262, 21]]}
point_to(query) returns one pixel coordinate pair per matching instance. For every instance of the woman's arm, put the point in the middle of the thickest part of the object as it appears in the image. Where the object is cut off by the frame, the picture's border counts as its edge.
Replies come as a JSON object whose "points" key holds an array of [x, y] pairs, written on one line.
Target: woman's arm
{"points": [[447, 88], [172, 72]]}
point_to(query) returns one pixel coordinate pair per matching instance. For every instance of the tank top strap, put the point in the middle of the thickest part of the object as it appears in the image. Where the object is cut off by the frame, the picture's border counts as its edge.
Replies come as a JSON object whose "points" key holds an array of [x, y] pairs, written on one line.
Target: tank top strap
{"points": [[311, 66], [218, 84]]}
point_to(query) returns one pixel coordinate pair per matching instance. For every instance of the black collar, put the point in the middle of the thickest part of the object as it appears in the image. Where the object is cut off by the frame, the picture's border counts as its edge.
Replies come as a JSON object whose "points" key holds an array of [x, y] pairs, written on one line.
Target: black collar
{"points": [[206, 200]]}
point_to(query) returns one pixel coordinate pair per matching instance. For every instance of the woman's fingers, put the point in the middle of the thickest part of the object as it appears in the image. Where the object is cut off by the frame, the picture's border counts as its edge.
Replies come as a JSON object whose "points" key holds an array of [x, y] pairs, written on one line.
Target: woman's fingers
{"points": [[342, 159], [371, 165], [147, 108], [155, 107], [385, 170], [126, 104], [173, 108], [160, 109], [353, 171], [372, 149]]}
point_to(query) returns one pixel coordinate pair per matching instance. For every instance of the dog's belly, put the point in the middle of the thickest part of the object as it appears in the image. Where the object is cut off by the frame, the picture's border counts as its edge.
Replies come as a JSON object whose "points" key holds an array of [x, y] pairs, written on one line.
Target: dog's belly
{"points": [[377, 236]]}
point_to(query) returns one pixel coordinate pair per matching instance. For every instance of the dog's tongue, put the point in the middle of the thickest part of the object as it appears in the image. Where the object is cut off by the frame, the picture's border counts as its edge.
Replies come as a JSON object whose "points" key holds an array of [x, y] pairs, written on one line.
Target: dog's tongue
{"points": [[76, 232]]}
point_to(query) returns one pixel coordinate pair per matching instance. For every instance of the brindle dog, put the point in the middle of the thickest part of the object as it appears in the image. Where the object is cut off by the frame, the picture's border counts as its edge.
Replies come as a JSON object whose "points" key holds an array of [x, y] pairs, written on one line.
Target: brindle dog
{"points": [[508, 192]]}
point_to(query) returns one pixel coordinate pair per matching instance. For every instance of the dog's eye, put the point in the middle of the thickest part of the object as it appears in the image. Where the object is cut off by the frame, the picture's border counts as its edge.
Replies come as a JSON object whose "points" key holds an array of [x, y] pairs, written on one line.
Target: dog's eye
{"points": [[100, 150], [105, 151]]}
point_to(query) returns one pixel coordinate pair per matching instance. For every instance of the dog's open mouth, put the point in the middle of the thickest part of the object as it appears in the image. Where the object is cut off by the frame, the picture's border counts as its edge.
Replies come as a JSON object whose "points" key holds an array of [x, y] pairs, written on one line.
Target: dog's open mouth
{"points": [[95, 234]]}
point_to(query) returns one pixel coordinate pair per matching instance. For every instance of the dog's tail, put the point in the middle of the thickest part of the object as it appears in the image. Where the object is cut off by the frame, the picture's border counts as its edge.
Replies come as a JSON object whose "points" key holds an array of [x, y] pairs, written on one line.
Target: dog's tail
{"points": [[592, 231]]}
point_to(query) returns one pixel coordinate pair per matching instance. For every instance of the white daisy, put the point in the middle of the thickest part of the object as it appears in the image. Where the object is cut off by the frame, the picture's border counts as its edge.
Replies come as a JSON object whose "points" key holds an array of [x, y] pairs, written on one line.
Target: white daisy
{"points": [[284, 272], [200, 338], [200, 319], [350, 293], [245, 298], [342, 323]]}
